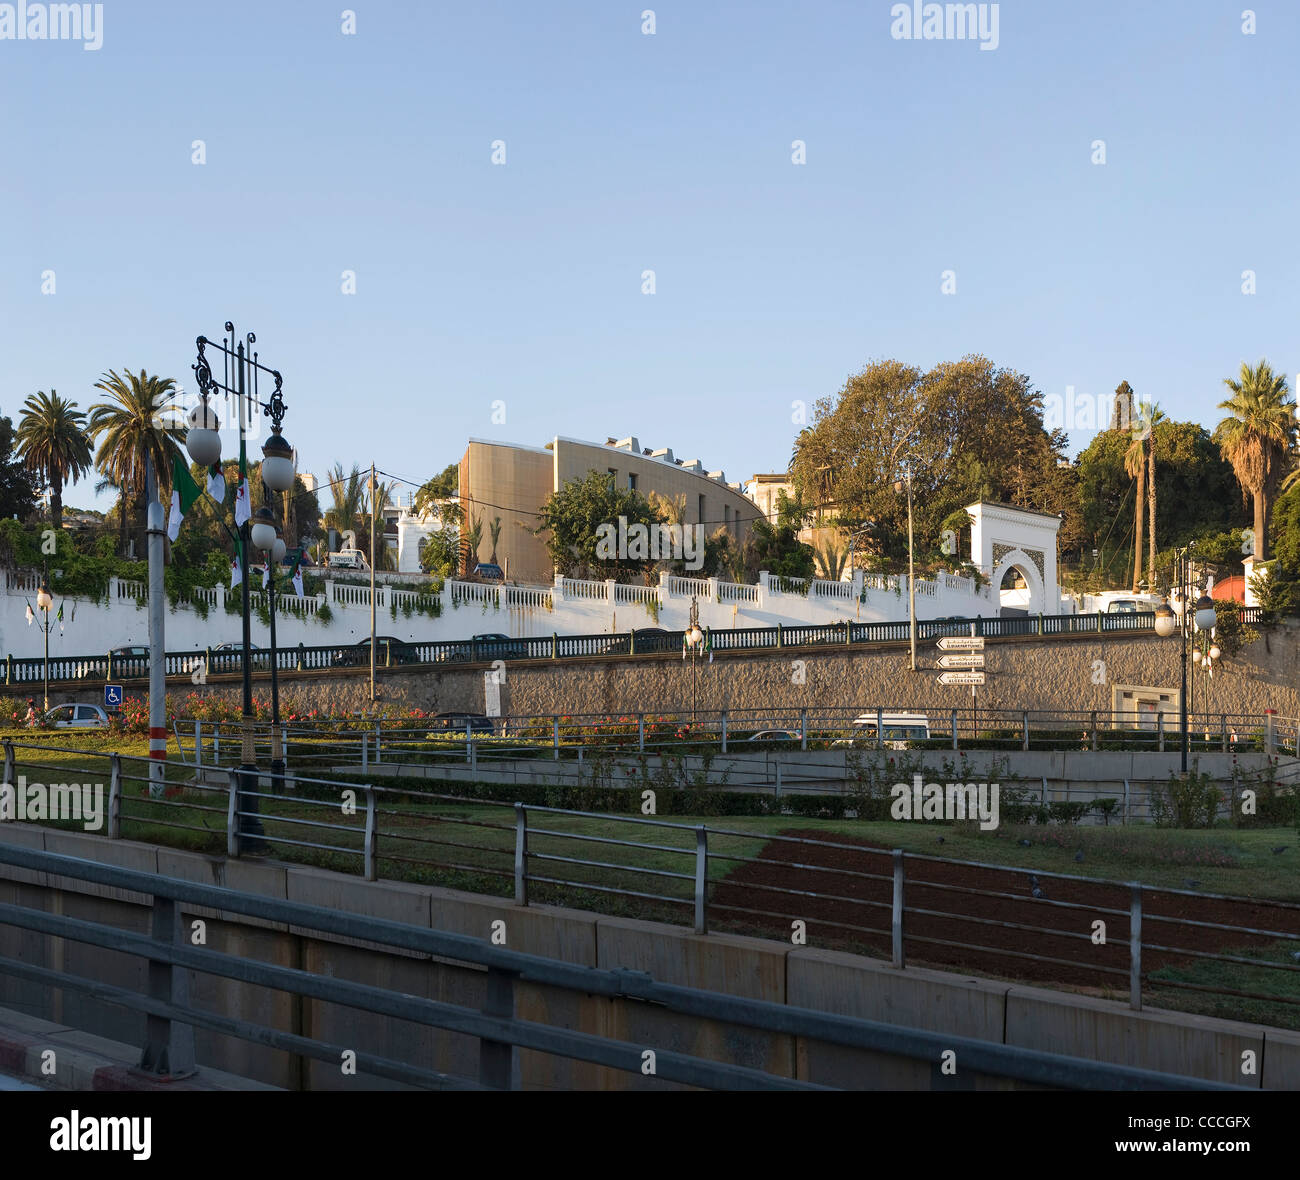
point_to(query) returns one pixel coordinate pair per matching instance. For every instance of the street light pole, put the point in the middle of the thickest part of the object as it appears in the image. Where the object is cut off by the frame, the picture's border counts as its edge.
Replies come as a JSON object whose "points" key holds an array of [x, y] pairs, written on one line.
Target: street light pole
{"points": [[239, 362], [45, 600]]}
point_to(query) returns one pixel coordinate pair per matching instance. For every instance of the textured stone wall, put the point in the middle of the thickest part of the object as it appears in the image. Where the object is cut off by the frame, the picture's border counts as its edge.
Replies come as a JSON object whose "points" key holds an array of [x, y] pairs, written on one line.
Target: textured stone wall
{"points": [[1063, 674]]}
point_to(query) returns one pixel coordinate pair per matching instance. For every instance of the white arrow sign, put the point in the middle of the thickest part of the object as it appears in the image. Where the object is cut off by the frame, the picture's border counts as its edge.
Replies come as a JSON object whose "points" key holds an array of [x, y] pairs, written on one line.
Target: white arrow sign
{"points": [[961, 643], [961, 677], [974, 660]]}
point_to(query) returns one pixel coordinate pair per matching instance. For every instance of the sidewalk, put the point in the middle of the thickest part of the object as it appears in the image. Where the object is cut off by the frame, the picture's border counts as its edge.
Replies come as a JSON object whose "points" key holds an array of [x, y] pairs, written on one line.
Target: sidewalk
{"points": [[82, 1061]]}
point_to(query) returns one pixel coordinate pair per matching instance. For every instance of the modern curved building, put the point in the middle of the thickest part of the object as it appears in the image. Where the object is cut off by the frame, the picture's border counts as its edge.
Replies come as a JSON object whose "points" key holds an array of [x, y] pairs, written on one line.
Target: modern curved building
{"points": [[512, 481]]}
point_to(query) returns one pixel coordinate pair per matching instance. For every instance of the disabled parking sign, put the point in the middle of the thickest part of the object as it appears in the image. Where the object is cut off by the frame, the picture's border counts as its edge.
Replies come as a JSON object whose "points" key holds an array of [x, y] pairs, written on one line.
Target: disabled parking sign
{"points": [[112, 696]]}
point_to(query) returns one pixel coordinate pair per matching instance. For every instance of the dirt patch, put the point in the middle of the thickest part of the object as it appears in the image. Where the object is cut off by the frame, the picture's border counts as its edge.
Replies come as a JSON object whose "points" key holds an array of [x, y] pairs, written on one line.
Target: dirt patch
{"points": [[948, 923]]}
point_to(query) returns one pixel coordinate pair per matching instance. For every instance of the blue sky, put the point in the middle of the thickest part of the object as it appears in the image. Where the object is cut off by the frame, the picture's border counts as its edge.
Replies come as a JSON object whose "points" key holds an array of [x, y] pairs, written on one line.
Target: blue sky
{"points": [[521, 283]]}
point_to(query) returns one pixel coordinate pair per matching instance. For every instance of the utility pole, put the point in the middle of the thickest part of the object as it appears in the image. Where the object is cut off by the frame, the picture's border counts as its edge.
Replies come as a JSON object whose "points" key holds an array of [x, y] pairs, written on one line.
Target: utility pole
{"points": [[911, 572], [372, 582], [157, 645]]}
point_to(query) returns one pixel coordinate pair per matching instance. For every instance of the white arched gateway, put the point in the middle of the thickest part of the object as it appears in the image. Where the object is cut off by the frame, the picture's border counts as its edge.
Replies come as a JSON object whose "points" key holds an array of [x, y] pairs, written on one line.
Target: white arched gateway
{"points": [[1005, 538]]}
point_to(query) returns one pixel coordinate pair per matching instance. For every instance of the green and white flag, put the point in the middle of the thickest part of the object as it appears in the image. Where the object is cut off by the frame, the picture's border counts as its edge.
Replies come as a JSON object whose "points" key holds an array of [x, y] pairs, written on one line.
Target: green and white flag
{"points": [[296, 575], [184, 492], [217, 483], [242, 509]]}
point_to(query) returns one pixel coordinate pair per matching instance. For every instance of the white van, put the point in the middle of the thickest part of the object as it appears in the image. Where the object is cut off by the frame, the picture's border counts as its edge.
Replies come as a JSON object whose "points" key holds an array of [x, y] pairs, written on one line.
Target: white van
{"points": [[898, 730]]}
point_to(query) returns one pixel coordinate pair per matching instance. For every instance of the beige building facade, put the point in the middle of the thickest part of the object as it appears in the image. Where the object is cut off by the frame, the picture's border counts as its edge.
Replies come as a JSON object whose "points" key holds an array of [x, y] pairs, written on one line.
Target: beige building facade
{"points": [[512, 482]]}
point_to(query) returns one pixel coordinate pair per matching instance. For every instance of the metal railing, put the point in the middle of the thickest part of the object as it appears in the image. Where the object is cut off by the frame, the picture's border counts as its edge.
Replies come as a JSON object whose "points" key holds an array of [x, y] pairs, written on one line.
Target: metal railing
{"points": [[601, 860], [170, 1017], [302, 657]]}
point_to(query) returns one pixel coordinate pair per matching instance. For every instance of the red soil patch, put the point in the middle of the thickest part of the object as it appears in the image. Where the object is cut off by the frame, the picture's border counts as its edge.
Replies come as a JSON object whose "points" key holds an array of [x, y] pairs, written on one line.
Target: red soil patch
{"points": [[934, 916]]}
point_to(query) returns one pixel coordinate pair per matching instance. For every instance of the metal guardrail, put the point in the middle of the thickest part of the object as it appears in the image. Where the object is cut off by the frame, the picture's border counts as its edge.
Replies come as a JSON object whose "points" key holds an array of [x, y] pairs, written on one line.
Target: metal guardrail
{"points": [[323, 657], [743, 736], [397, 826], [171, 1019]]}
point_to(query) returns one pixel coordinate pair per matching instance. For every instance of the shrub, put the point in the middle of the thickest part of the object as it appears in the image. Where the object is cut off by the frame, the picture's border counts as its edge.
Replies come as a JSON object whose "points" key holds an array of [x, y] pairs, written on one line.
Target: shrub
{"points": [[1189, 801]]}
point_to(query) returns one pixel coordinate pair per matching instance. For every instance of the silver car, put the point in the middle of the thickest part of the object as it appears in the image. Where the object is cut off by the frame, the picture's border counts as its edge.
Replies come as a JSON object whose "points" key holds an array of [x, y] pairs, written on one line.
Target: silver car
{"points": [[77, 716]]}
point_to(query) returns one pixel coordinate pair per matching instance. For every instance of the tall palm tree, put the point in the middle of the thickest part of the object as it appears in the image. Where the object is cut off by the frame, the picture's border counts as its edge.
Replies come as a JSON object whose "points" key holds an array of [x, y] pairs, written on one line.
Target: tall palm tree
{"points": [[141, 421], [53, 443], [1257, 436], [1135, 463], [831, 560], [1151, 414], [494, 531]]}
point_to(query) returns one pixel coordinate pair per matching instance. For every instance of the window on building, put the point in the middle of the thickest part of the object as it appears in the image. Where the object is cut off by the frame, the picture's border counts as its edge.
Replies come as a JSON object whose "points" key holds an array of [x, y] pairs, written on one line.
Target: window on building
{"points": [[701, 510], [631, 481], [726, 517], [613, 476]]}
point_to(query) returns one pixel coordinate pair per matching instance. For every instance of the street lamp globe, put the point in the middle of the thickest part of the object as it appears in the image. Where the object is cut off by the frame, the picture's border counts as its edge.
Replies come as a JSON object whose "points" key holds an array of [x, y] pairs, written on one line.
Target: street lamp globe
{"points": [[694, 637], [1166, 623], [1196, 656], [277, 462], [263, 531], [43, 598], [278, 550], [202, 441], [1214, 652], [1205, 616]]}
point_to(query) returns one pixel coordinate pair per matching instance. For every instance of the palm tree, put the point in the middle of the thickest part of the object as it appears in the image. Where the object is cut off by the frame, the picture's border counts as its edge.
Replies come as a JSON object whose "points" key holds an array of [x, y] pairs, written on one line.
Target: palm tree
{"points": [[494, 531], [52, 442], [1257, 436], [1135, 463], [1151, 414], [349, 492], [470, 541], [140, 423], [831, 560]]}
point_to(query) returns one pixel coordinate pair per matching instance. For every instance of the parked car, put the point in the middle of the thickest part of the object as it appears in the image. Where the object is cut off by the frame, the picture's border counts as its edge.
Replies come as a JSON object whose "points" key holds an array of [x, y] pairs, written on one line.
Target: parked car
{"points": [[389, 651], [496, 646], [652, 639], [128, 660], [346, 559], [489, 572], [77, 716], [228, 657], [458, 722]]}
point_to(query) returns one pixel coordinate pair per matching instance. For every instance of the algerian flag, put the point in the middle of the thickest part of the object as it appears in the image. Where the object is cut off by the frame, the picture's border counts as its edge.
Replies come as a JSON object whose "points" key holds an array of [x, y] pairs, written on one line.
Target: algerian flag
{"points": [[216, 483], [30, 616], [236, 574], [708, 644], [242, 510], [184, 492], [266, 575], [60, 618], [296, 575]]}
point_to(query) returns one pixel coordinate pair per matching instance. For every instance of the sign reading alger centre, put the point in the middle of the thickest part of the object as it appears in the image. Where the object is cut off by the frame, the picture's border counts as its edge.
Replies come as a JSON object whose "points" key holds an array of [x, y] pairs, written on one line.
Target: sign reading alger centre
{"points": [[973, 647]]}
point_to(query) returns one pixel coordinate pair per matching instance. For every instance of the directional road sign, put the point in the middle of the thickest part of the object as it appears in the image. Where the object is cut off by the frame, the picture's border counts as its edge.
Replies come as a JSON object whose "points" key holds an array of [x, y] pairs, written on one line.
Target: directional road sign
{"points": [[961, 643], [969, 660], [961, 677], [112, 696]]}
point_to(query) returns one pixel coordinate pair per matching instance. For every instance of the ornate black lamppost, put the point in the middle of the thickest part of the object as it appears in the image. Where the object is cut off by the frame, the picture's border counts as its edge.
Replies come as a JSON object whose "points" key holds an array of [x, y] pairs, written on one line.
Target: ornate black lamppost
{"points": [[240, 370]]}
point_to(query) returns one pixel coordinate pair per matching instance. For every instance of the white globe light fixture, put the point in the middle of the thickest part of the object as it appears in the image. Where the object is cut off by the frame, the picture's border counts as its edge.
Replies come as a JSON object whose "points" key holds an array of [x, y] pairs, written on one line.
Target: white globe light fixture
{"points": [[202, 441], [1214, 652], [277, 462], [1205, 616], [263, 530], [279, 549], [1196, 656], [43, 598], [1166, 622], [694, 637]]}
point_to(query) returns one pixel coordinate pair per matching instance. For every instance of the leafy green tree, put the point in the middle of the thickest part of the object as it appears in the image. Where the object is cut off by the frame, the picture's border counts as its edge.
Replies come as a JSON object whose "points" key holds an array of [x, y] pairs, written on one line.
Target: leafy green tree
{"points": [[968, 430], [1257, 436], [434, 492], [53, 444], [774, 545], [348, 492], [17, 488], [140, 420], [573, 518]]}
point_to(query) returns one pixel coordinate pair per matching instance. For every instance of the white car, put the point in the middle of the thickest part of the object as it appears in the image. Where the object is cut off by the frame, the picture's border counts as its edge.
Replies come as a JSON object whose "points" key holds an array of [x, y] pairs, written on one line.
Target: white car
{"points": [[899, 729], [77, 716]]}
